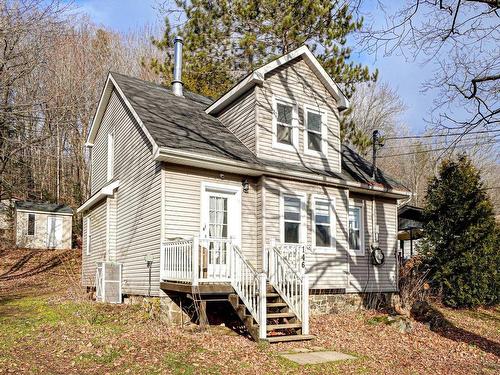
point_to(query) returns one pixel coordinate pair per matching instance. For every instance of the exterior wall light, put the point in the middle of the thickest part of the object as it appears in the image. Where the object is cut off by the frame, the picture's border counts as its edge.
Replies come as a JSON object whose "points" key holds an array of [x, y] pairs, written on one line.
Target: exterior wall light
{"points": [[245, 184]]}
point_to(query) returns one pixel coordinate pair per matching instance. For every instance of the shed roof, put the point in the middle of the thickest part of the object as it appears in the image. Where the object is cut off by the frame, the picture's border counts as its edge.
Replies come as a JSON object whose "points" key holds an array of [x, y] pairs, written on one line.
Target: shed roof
{"points": [[43, 207]]}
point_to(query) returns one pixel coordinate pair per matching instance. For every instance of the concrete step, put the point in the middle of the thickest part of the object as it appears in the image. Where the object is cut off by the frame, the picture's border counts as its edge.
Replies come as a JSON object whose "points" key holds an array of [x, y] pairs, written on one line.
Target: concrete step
{"points": [[274, 339], [281, 315], [272, 327]]}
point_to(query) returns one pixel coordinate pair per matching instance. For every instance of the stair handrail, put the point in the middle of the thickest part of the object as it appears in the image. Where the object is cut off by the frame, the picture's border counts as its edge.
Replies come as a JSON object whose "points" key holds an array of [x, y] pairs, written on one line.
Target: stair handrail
{"points": [[290, 284], [250, 287]]}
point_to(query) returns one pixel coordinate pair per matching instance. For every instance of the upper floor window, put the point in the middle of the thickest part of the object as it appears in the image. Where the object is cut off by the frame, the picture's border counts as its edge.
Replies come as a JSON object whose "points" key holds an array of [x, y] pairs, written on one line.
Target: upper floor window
{"points": [[323, 229], [356, 229], [315, 131], [292, 219], [285, 132], [111, 155], [31, 224]]}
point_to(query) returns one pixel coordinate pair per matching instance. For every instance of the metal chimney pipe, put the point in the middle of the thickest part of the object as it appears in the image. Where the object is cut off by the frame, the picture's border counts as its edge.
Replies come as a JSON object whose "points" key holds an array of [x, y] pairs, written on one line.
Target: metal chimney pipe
{"points": [[177, 82]]}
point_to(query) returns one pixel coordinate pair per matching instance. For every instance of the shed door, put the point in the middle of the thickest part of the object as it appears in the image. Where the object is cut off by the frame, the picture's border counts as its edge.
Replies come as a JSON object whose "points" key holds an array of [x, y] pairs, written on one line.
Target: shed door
{"points": [[54, 232]]}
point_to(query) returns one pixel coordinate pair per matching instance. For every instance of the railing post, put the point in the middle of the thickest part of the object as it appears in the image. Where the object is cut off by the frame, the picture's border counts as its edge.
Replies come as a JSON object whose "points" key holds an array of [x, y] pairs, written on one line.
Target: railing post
{"points": [[262, 306], [162, 261], [196, 260], [305, 304], [270, 262]]}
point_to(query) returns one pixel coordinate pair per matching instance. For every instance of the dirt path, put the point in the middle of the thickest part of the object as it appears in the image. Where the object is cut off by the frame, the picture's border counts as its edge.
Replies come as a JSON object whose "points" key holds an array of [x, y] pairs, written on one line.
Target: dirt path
{"points": [[46, 326]]}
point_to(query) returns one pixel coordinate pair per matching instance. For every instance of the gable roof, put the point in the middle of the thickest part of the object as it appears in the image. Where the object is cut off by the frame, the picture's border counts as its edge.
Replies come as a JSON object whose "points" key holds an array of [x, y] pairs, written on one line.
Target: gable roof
{"points": [[180, 131], [258, 75], [177, 122], [43, 207]]}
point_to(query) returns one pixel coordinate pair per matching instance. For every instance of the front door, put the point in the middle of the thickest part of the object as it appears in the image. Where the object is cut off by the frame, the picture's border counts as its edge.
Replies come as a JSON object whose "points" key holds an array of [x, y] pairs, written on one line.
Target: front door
{"points": [[221, 229], [54, 232]]}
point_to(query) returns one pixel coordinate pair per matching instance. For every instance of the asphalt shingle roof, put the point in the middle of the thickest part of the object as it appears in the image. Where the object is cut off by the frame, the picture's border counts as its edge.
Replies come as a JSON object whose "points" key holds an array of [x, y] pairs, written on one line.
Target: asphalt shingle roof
{"points": [[181, 123], [43, 207]]}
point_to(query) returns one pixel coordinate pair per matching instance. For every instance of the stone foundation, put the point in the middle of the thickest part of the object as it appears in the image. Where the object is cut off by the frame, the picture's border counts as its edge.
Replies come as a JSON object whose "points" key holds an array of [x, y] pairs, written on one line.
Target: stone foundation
{"points": [[168, 309], [322, 304]]}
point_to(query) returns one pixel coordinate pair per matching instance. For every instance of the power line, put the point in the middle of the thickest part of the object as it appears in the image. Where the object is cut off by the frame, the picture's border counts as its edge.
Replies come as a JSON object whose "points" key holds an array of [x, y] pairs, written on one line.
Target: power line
{"points": [[437, 149], [440, 135], [439, 143]]}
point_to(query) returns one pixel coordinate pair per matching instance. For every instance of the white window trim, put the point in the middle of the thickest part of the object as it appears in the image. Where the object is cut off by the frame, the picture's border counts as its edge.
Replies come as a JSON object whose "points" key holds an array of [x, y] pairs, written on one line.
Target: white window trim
{"points": [[111, 156], [361, 251], [324, 132], [295, 125], [88, 234], [333, 224], [28, 224], [303, 216], [223, 190]]}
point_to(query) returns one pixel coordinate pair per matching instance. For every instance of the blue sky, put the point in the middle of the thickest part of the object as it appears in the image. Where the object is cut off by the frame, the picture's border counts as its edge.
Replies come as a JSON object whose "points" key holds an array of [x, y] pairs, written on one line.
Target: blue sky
{"points": [[405, 76]]}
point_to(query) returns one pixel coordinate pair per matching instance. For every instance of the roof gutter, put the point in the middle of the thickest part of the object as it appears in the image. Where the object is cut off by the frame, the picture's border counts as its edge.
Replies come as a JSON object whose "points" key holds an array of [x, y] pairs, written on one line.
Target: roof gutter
{"points": [[106, 191], [255, 169]]}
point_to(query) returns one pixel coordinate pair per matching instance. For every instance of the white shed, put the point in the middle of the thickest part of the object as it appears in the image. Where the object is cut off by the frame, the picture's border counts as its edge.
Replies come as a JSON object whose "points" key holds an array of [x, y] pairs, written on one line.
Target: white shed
{"points": [[41, 225]]}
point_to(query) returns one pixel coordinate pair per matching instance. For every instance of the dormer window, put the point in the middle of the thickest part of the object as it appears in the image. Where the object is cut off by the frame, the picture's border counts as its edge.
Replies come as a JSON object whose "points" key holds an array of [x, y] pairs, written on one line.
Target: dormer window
{"points": [[315, 132], [285, 131]]}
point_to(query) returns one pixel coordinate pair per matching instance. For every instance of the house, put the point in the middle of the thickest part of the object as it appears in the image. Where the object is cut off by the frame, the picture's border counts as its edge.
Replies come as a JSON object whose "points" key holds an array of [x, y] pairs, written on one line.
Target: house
{"points": [[41, 225], [251, 198], [410, 230]]}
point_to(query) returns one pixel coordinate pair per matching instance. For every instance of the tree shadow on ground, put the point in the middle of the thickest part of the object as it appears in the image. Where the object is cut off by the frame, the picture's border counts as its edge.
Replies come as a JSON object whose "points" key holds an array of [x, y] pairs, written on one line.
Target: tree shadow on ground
{"points": [[39, 268], [425, 313]]}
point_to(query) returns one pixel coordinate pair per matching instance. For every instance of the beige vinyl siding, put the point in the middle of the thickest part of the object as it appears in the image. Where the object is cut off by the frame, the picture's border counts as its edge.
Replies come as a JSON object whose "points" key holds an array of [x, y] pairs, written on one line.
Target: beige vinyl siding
{"points": [[138, 201], [364, 275], [240, 119], [183, 189], [40, 239], [111, 218], [99, 158], [296, 82], [97, 242], [338, 268], [326, 269]]}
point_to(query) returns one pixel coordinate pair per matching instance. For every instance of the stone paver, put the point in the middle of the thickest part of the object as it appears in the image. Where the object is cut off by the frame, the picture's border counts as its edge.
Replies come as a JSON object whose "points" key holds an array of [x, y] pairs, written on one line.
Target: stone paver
{"points": [[314, 358]]}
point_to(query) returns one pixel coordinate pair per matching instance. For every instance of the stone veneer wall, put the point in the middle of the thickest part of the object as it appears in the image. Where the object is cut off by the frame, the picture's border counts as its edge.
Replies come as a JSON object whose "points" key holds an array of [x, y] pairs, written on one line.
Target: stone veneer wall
{"points": [[322, 304], [170, 309]]}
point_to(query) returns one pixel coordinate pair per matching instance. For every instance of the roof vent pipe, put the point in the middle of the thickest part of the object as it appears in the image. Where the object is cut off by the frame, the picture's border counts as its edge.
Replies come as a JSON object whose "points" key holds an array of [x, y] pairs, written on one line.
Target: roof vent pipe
{"points": [[177, 82]]}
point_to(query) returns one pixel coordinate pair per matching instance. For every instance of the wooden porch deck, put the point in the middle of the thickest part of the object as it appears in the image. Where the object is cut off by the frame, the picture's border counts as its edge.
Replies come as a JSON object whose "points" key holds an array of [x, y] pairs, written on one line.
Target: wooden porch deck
{"points": [[202, 288]]}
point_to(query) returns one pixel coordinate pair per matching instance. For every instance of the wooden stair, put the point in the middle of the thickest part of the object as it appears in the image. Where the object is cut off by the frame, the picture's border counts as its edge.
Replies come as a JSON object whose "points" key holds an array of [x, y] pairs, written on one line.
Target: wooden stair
{"points": [[282, 324]]}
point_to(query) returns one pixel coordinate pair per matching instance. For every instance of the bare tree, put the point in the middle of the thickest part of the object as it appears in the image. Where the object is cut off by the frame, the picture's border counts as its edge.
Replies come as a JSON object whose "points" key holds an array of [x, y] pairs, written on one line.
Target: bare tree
{"points": [[460, 38]]}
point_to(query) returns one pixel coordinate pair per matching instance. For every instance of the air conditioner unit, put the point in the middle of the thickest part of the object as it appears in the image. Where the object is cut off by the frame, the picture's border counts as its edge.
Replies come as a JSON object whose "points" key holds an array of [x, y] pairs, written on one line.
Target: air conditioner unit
{"points": [[108, 282]]}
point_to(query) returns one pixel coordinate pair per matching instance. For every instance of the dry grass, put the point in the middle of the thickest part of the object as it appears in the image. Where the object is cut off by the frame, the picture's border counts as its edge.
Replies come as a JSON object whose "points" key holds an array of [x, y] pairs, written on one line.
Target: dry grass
{"points": [[47, 326]]}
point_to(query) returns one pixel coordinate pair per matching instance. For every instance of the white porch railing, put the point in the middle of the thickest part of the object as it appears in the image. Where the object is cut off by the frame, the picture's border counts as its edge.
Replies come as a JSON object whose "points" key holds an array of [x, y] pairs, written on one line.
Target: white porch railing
{"points": [[216, 260], [294, 254], [250, 287], [290, 283]]}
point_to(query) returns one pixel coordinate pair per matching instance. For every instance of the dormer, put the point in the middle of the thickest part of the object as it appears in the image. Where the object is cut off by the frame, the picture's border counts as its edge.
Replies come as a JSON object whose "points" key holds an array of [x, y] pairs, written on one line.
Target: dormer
{"points": [[287, 110]]}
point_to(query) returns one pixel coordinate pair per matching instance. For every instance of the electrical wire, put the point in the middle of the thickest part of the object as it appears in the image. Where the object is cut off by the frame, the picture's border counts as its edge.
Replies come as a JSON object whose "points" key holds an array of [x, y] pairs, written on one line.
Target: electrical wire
{"points": [[439, 135], [436, 149]]}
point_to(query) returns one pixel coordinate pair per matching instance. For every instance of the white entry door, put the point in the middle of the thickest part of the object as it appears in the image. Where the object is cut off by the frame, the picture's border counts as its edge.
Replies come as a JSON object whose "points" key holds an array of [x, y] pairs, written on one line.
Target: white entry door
{"points": [[54, 232], [221, 228]]}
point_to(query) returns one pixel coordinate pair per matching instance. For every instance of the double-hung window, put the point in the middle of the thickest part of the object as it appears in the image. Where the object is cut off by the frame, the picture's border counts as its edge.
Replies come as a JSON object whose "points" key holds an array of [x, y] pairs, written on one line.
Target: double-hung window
{"points": [[292, 219], [323, 228], [315, 132], [285, 132], [356, 240]]}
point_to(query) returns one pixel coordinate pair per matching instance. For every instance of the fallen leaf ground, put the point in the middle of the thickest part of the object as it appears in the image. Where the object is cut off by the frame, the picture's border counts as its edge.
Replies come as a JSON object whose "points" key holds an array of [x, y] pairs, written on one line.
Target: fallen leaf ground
{"points": [[47, 326]]}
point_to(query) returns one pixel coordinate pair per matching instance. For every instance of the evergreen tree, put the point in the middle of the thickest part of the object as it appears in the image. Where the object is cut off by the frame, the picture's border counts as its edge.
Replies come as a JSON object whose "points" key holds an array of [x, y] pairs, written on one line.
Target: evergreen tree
{"points": [[227, 39], [462, 241]]}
